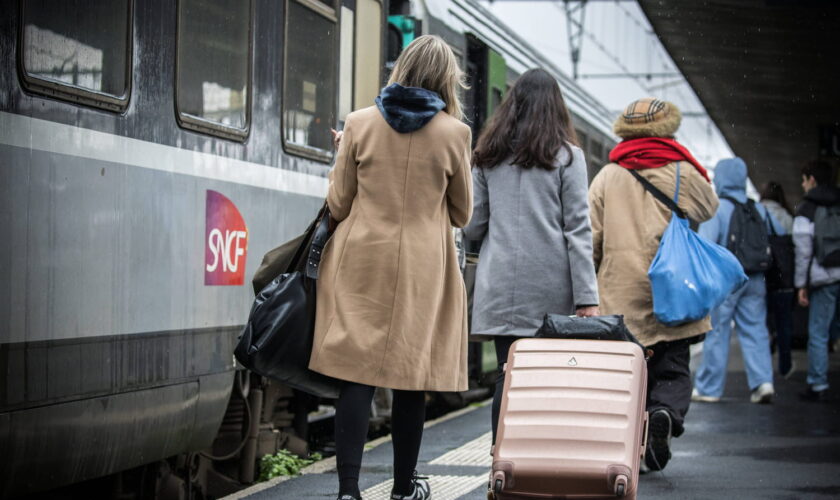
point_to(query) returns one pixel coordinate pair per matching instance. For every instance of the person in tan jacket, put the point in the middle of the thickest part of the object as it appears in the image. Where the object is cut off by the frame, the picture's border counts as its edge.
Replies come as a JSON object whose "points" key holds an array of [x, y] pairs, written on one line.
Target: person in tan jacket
{"points": [[391, 301], [627, 225]]}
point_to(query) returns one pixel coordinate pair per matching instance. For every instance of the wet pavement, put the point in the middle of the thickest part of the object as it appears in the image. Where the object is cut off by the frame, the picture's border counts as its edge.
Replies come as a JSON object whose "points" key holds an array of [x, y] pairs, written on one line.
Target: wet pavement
{"points": [[731, 449]]}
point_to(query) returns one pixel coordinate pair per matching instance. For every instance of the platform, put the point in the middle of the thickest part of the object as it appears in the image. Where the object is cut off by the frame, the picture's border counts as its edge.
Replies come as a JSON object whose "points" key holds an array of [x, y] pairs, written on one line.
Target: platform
{"points": [[732, 449]]}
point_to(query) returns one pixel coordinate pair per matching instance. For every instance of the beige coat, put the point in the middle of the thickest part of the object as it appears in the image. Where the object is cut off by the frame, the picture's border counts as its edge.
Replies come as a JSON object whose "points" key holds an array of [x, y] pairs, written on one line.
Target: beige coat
{"points": [[391, 301], [627, 224]]}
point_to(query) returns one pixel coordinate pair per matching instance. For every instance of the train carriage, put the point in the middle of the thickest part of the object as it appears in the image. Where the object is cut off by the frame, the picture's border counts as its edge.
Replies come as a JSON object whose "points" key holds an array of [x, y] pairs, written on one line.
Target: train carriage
{"points": [[150, 153]]}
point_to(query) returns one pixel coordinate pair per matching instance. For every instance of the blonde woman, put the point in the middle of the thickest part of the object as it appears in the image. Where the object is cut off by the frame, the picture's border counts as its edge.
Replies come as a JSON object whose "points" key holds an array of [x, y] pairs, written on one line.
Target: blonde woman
{"points": [[391, 301]]}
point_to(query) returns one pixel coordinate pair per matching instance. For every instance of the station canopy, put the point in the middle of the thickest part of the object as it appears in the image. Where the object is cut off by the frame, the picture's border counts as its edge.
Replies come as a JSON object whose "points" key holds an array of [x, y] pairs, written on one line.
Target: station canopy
{"points": [[767, 72]]}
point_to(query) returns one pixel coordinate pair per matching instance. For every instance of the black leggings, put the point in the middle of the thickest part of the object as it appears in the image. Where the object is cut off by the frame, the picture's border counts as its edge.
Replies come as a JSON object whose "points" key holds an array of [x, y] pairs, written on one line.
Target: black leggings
{"points": [[352, 415], [502, 348]]}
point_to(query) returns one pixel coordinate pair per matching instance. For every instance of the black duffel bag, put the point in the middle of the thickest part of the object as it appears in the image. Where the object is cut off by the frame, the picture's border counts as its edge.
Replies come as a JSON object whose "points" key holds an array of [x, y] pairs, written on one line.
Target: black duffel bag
{"points": [[277, 340], [558, 326]]}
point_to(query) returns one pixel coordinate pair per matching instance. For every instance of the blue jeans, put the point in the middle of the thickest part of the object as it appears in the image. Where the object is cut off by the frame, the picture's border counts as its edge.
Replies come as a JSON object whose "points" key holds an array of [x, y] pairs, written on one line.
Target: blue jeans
{"points": [[748, 308], [823, 306]]}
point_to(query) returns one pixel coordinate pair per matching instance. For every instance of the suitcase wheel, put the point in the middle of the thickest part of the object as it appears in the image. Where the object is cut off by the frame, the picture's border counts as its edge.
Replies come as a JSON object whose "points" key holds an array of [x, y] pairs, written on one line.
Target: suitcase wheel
{"points": [[620, 485]]}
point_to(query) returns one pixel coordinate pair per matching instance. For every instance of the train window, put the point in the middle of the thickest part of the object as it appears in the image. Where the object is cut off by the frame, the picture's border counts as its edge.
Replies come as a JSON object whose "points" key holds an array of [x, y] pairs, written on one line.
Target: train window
{"points": [[213, 66], [583, 140], [309, 86], [78, 50]]}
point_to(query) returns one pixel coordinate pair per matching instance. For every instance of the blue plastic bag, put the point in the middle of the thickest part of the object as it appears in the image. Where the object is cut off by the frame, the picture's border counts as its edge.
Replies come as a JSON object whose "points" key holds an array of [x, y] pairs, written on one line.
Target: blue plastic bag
{"points": [[690, 275]]}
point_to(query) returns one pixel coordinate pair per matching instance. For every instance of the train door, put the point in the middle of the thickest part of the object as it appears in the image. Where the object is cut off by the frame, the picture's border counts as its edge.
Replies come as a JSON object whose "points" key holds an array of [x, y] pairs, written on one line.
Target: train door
{"points": [[475, 100], [360, 54], [487, 74], [496, 80], [368, 64]]}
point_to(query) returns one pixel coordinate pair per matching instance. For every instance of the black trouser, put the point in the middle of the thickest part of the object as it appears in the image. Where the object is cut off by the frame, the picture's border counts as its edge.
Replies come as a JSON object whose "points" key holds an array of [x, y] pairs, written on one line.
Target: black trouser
{"points": [[502, 348], [352, 416], [780, 304], [669, 380]]}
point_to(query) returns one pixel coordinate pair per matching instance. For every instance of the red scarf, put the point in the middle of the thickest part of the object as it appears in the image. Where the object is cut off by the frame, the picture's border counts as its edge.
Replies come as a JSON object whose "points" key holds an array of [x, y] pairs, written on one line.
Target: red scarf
{"points": [[652, 152]]}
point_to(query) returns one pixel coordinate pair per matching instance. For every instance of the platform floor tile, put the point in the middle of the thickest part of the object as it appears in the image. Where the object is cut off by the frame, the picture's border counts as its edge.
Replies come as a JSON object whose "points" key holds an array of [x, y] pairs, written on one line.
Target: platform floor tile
{"points": [[475, 453], [443, 487]]}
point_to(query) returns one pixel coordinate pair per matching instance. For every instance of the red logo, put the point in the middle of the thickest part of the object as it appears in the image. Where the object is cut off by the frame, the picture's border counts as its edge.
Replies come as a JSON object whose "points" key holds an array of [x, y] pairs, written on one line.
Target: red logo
{"points": [[227, 242]]}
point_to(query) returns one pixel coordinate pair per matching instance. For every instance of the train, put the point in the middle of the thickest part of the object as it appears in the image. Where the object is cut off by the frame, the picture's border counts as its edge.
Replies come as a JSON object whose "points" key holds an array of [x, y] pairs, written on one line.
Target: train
{"points": [[152, 152]]}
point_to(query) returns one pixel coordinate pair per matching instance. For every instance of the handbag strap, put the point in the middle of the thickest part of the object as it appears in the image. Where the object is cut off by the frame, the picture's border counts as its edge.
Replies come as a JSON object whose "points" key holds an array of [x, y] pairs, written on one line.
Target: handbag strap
{"points": [[659, 195], [319, 241], [295, 263]]}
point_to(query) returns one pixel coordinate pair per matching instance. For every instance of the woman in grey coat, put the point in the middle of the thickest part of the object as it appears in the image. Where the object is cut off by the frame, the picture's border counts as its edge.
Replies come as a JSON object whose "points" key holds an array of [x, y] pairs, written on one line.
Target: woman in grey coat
{"points": [[531, 213]]}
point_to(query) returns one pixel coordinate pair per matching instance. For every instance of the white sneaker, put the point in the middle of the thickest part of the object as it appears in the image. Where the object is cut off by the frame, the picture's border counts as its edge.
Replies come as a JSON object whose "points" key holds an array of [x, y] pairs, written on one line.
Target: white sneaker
{"points": [[702, 398], [422, 490], [763, 394]]}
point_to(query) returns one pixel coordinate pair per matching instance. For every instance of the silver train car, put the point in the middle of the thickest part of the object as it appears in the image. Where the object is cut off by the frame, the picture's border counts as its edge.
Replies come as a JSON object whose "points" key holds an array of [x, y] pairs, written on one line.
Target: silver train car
{"points": [[150, 153]]}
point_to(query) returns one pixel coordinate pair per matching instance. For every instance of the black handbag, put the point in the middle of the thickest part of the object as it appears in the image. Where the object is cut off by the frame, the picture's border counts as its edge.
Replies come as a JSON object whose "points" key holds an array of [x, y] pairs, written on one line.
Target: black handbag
{"points": [[558, 326], [780, 274], [277, 340]]}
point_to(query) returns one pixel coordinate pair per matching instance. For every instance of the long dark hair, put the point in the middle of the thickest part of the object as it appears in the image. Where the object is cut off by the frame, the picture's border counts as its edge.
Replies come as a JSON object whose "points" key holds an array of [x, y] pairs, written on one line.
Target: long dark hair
{"points": [[773, 191], [529, 127]]}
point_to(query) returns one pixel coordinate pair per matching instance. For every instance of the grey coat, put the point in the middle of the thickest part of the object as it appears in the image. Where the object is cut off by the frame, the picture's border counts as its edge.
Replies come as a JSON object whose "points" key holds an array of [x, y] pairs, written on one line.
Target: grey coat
{"points": [[536, 253]]}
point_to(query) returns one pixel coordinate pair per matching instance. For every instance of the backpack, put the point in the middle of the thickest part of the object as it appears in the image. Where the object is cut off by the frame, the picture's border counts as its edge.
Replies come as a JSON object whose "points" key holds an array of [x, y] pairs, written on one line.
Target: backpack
{"points": [[780, 274], [747, 237], [827, 235]]}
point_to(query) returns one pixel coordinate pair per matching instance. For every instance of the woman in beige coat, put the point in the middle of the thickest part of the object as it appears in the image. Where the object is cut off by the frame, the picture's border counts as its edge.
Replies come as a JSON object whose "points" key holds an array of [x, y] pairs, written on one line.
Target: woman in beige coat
{"points": [[391, 301]]}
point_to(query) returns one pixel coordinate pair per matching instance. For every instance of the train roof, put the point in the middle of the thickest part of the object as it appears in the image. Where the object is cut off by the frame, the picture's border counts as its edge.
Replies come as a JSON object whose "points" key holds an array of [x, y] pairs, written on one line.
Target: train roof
{"points": [[468, 16]]}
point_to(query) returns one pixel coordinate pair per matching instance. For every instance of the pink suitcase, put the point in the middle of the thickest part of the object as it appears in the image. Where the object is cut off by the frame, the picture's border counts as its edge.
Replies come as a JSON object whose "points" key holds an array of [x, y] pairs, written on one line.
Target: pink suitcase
{"points": [[573, 422]]}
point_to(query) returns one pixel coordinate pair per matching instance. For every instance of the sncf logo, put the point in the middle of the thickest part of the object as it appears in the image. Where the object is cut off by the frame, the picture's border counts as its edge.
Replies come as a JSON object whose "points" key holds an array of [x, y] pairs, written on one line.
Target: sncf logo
{"points": [[226, 238]]}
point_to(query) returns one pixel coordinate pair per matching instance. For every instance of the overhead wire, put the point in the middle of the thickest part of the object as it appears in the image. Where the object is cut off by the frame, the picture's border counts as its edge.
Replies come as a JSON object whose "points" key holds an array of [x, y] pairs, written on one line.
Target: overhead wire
{"points": [[647, 43]]}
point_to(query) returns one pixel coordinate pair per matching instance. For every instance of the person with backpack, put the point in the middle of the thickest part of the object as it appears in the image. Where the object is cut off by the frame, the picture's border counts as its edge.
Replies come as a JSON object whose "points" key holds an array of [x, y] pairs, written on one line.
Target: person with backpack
{"points": [[774, 200], [780, 289], [743, 227], [628, 222], [816, 236]]}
